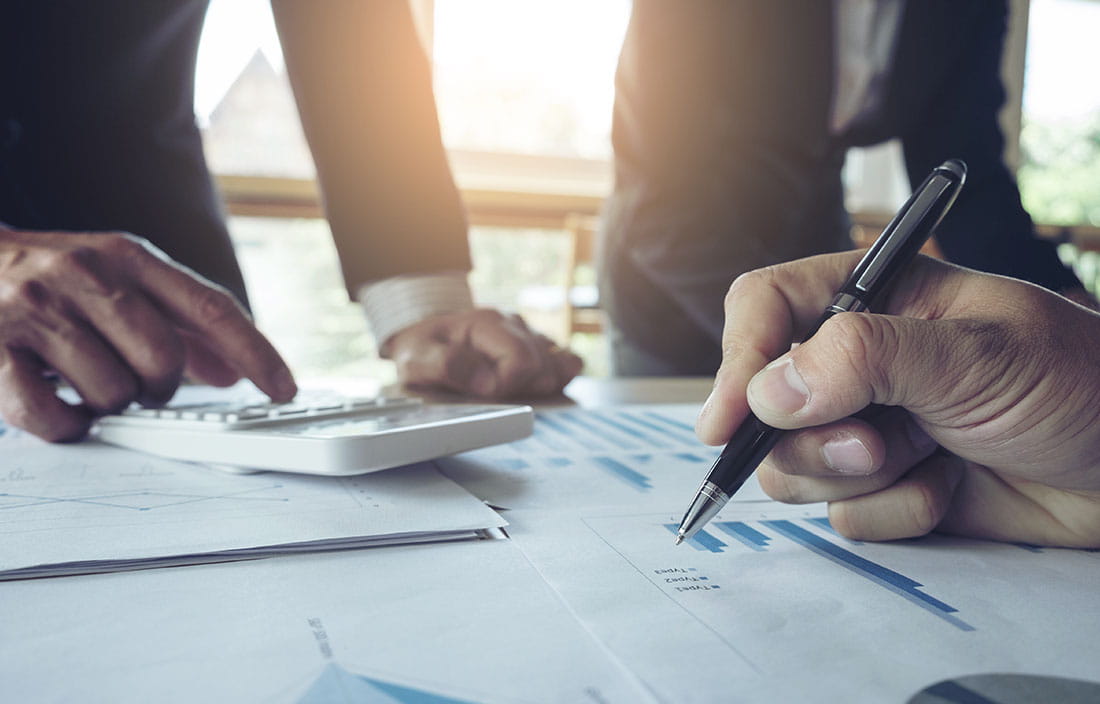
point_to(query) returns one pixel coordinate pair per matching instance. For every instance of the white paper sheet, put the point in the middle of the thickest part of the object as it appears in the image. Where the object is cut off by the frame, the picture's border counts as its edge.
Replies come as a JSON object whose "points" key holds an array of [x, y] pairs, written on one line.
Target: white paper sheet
{"points": [[768, 604], [465, 622], [645, 455], [88, 507]]}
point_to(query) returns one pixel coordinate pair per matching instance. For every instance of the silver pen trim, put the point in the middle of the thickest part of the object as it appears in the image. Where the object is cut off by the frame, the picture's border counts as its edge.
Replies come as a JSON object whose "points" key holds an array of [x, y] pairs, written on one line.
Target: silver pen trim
{"points": [[708, 501]]}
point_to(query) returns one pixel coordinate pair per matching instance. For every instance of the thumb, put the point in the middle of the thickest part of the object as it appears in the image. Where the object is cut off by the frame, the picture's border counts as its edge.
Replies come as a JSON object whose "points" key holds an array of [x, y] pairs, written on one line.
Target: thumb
{"points": [[859, 359]]}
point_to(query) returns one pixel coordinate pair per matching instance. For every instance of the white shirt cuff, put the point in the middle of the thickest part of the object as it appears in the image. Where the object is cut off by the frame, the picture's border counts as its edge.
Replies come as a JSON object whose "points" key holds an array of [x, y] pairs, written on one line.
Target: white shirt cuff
{"points": [[396, 303]]}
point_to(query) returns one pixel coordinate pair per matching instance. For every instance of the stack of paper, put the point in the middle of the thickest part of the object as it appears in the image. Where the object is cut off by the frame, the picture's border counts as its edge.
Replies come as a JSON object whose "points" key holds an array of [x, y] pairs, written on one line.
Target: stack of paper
{"points": [[72, 509], [427, 624]]}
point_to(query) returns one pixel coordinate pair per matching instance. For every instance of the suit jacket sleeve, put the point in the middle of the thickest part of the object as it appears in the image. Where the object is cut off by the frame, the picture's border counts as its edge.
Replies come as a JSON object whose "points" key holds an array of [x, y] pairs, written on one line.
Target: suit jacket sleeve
{"points": [[363, 87], [951, 111], [722, 161]]}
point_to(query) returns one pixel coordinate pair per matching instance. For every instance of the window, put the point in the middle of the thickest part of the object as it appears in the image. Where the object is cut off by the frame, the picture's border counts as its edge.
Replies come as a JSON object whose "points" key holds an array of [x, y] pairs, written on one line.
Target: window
{"points": [[527, 77], [546, 65], [524, 90], [1060, 141], [244, 105]]}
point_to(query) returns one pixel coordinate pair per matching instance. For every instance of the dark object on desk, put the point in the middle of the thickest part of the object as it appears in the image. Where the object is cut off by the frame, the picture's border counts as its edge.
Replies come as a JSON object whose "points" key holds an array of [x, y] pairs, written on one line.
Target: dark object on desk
{"points": [[1005, 688], [887, 257]]}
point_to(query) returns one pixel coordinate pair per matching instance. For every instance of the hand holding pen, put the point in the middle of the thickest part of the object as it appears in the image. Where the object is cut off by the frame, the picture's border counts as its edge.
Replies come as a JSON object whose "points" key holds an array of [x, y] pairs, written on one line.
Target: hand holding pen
{"points": [[868, 282], [987, 424]]}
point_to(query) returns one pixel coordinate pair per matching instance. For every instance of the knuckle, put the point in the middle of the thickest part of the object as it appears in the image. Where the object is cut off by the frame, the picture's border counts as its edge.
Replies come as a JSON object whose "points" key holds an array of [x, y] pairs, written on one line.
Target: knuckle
{"points": [[65, 427], [850, 335], [66, 335], [125, 247], [81, 259], [853, 339], [26, 293], [779, 486], [923, 508], [845, 521], [120, 243], [748, 281], [489, 316], [115, 396], [82, 267], [19, 414], [163, 361], [212, 306], [735, 348]]}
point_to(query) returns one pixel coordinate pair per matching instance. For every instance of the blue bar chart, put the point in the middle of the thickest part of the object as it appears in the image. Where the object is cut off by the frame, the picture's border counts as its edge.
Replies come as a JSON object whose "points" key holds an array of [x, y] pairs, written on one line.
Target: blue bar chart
{"points": [[581, 456], [608, 431], [624, 472], [889, 579], [336, 684], [823, 542]]}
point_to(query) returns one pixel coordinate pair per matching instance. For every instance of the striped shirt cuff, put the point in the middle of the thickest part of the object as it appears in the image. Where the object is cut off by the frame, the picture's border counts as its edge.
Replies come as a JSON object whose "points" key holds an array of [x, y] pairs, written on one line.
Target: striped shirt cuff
{"points": [[396, 303]]}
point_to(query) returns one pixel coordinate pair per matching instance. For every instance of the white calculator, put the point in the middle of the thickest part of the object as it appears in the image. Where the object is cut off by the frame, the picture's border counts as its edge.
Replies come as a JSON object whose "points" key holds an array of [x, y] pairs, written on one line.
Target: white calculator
{"points": [[318, 433]]}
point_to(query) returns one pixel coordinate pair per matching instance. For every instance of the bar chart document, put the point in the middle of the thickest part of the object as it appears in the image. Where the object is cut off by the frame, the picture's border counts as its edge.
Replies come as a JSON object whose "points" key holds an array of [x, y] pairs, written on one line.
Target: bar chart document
{"points": [[422, 624], [767, 603], [67, 509], [644, 455]]}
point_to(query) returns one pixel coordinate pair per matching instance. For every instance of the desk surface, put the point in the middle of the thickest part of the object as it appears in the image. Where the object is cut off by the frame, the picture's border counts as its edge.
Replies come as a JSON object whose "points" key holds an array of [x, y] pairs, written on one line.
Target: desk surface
{"points": [[585, 391], [589, 600], [593, 392]]}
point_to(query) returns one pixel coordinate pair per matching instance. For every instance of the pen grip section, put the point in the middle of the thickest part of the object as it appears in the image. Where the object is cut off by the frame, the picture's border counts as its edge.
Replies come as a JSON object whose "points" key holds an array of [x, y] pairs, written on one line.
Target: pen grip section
{"points": [[743, 453]]}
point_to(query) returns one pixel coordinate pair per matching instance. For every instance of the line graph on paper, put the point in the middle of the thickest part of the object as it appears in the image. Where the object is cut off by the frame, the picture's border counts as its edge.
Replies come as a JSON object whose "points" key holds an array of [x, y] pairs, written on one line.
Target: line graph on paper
{"points": [[54, 488], [136, 499]]}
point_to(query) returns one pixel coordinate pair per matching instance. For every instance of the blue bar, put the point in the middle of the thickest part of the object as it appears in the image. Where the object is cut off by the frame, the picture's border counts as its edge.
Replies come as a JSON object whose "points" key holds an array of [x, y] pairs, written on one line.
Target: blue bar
{"points": [[335, 684], [690, 457], [822, 522], [744, 534], [671, 421], [585, 426], [895, 582], [559, 461], [620, 470], [702, 540], [662, 429], [623, 428], [553, 423], [707, 541]]}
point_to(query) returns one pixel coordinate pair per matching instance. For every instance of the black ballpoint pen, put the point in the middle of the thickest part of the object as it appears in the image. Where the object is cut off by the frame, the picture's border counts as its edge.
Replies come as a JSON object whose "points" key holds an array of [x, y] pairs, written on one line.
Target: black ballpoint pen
{"points": [[883, 262]]}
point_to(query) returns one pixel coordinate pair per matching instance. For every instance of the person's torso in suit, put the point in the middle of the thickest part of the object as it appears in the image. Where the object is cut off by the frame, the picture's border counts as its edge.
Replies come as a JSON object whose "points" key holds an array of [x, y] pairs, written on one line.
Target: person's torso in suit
{"points": [[97, 127], [725, 161]]}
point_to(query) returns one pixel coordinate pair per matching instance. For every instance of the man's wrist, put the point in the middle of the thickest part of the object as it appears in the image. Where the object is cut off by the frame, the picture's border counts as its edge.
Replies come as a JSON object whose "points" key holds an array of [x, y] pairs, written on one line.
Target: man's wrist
{"points": [[396, 303]]}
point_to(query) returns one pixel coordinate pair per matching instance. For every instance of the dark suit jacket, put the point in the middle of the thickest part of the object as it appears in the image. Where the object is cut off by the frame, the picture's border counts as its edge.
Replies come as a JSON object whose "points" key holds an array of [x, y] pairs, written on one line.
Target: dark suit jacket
{"points": [[725, 162], [97, 130]]}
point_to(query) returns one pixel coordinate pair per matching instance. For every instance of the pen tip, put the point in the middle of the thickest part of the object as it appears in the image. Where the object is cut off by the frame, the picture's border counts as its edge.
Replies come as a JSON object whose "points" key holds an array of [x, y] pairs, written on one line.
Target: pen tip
{"points": [[679, 538]]}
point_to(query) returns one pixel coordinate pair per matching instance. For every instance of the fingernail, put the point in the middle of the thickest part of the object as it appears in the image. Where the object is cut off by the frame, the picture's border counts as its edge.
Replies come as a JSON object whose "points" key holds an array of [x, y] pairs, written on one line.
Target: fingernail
{"points": [[704, 410], [284, 384], [779, 388], [847, 455]]}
